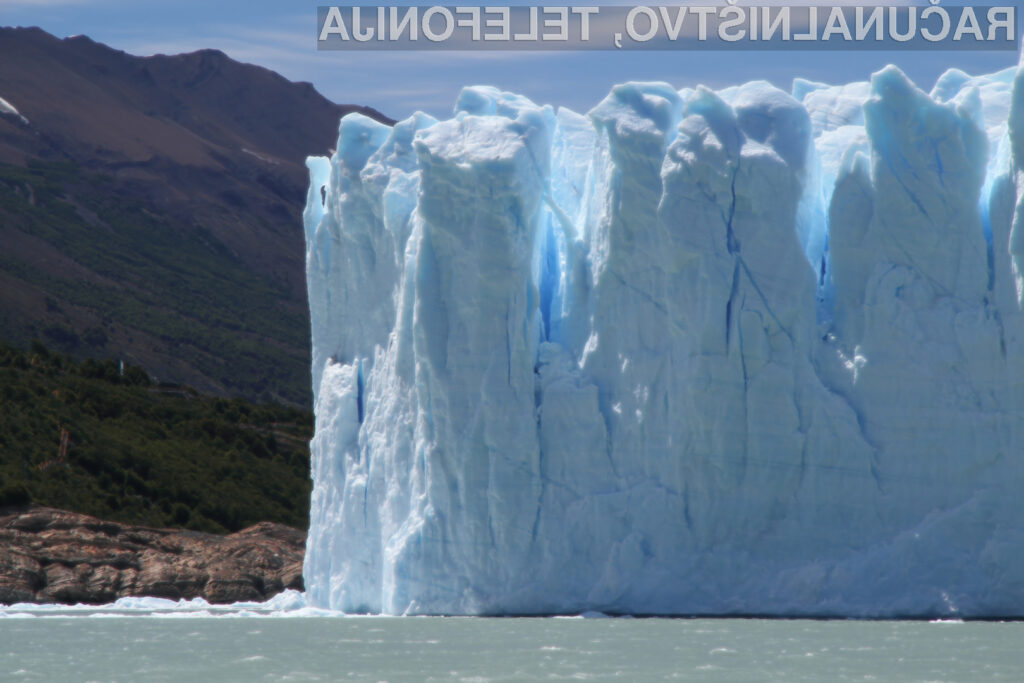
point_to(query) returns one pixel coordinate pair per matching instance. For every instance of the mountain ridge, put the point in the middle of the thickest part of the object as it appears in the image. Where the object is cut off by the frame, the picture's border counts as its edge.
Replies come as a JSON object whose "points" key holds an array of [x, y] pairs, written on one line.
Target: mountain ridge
{"points": [[150, 209]]}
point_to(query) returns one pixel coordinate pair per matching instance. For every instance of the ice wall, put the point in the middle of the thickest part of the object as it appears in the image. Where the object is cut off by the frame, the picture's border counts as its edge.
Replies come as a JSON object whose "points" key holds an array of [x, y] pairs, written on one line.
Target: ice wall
{"points": [[696, 352]]}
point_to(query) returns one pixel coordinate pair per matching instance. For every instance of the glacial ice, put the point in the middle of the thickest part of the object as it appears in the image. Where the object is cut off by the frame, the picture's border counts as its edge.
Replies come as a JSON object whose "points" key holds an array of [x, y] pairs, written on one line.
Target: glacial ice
{"points": [[697, 352], [287, 604]]}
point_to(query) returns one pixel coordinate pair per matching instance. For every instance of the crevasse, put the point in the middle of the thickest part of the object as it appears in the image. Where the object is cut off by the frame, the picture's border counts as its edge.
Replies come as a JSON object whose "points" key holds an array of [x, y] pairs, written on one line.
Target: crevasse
{"points": [[735, 352]]}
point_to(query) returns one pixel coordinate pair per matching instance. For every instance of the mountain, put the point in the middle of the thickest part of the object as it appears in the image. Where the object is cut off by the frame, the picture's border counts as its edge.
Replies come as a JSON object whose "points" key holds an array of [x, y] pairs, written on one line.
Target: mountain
{"points": [[150, 210]]}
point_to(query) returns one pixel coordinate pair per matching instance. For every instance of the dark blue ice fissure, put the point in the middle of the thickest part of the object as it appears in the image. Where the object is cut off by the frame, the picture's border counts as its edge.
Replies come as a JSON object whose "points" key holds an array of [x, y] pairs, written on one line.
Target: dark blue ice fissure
{"points": [[549, 278]]}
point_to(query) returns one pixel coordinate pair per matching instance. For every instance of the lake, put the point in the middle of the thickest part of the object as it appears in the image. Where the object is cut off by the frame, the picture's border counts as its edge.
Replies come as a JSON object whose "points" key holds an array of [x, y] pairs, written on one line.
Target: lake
{"points": [[250, 645]]}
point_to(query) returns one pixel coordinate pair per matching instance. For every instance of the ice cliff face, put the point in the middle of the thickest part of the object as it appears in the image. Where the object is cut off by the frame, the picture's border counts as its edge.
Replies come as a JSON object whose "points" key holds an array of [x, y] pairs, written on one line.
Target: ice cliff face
{"points": [[696, 352]]}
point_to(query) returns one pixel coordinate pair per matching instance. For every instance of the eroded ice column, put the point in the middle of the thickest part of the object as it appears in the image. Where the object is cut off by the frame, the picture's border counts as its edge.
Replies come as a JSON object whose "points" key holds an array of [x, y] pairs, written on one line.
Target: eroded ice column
{"points": [[476, 333], [912, 319], [359, 217], [753, 416]]}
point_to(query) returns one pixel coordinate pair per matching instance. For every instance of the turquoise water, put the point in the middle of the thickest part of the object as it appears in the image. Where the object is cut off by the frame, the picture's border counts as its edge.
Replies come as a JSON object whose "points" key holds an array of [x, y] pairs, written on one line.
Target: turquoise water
{"points": [[203, 648]]}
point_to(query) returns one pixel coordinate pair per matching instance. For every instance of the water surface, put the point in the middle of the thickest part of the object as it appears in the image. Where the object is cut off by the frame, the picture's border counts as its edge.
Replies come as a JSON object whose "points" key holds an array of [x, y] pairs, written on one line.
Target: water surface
{"points": [[190, 646]]}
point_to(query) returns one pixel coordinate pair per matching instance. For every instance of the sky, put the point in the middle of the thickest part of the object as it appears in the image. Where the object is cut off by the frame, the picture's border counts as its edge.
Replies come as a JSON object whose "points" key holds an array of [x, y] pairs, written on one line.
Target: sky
{"points": [[281, 35]]}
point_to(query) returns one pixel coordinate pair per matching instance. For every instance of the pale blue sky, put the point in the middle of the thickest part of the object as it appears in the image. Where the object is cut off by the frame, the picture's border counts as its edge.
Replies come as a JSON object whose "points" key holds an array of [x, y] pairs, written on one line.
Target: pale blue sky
{"points": [[280, 34]]}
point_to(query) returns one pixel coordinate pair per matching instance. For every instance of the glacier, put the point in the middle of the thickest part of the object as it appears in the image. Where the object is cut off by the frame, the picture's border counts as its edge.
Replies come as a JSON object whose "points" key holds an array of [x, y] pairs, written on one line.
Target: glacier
{"points": [[697, 352]]}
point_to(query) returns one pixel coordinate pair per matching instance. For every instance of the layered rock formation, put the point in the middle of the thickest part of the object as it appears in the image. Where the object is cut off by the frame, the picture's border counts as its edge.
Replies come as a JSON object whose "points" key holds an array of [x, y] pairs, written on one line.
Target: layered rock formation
{"points": [[49, 555]]}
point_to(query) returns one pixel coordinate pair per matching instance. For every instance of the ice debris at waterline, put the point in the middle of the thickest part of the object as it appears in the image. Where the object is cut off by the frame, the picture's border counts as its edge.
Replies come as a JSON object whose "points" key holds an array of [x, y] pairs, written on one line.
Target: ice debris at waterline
{"points": [[695, 352], [290, 603]]}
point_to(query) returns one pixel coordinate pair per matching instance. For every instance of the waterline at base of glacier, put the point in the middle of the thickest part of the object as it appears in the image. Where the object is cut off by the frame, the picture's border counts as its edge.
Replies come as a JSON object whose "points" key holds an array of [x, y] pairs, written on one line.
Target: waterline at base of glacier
{"points": [[290, 603]]}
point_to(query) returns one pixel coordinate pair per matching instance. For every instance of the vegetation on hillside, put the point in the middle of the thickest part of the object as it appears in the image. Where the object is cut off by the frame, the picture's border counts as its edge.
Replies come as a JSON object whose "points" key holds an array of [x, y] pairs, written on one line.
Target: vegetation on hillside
{"points": [[144, 286], [102, 439]]}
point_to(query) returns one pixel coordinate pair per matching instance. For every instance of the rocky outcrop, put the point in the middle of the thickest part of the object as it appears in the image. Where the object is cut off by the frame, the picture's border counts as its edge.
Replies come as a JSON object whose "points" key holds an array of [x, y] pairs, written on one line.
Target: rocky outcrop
{"points": [[49, 555]]}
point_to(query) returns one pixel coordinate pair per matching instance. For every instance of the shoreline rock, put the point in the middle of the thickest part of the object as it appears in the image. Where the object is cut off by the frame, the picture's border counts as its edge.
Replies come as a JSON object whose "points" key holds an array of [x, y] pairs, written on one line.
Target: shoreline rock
{"points": [[56, 556]]}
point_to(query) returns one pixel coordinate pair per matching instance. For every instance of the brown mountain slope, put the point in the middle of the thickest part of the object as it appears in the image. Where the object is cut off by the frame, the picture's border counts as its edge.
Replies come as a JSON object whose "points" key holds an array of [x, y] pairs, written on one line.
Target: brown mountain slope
{"points": [[150, 210]]}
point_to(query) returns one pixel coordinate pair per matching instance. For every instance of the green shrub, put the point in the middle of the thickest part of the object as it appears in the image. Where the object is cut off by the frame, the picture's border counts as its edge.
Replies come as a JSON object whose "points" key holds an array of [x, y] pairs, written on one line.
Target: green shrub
{"points": [[143, 454], [14, 495]]}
